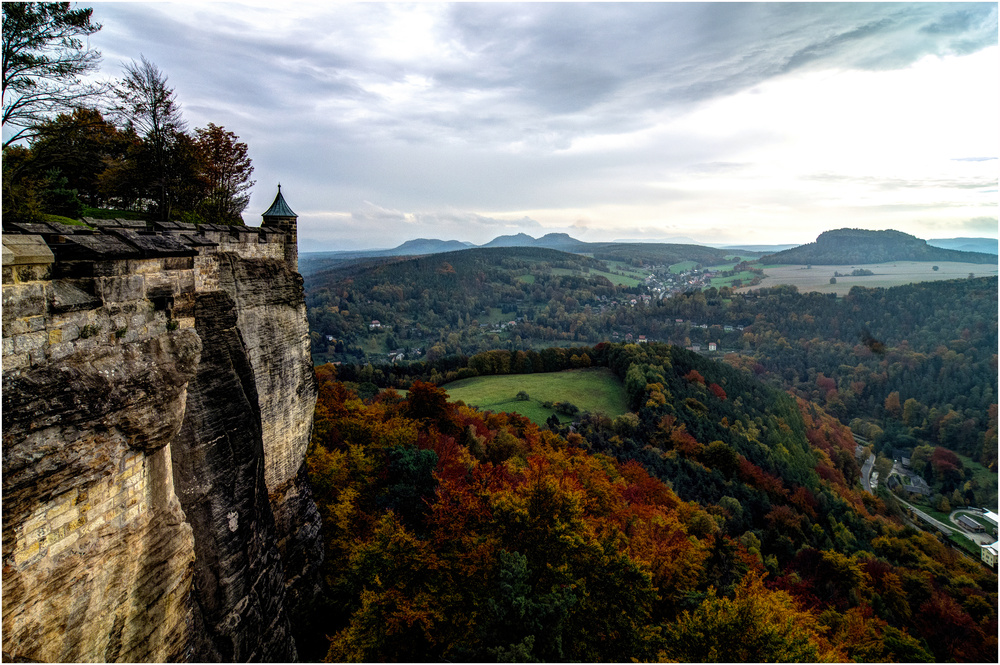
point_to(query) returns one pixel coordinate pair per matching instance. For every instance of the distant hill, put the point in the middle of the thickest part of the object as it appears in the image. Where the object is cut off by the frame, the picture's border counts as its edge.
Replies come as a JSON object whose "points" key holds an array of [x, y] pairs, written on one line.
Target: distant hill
{"points": [[518, 240], [561, 241], [858, 246], [984, 245], [429, 246], [656, 253], [758, 249], [311, 263]]}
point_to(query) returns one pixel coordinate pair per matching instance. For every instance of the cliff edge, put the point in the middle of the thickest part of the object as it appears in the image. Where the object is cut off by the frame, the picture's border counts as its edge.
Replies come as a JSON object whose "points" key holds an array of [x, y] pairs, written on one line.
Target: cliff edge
{"points": [[157, 404]]}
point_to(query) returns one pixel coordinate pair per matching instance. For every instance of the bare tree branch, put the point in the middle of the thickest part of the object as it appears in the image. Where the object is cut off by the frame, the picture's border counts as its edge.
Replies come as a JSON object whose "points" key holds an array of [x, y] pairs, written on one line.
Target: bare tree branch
{"points": [[44, 57]]}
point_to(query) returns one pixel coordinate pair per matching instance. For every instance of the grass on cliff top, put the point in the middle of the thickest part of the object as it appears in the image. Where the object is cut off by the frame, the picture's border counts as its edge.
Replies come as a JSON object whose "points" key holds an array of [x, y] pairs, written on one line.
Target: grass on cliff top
{"points": [[59, 219], [596, 390], [110, 213]]}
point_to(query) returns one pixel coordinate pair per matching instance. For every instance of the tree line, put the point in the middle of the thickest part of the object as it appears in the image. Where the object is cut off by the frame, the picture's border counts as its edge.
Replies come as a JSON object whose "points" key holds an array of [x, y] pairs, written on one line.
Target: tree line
{"points": [[110, 149]]}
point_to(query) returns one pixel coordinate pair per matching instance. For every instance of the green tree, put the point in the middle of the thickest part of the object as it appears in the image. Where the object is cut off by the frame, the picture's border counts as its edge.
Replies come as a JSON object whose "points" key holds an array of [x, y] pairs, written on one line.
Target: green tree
{"points": [[22, 188], [43, 59], [883, 465], [913, 412], [81, 145]]}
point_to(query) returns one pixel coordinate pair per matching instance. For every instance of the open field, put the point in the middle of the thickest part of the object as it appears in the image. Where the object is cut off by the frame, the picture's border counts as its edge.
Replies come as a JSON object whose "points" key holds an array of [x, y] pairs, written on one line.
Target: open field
{"points": [[722, 266], [630, 270], [621, 280], [683, 266], [596, 390], [495, 315], [719, 282], [817, 278]]}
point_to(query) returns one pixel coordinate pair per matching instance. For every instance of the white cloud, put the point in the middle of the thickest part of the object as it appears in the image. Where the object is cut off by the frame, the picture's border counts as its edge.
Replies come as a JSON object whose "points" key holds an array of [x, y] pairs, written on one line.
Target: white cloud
{"points": [[756, 121]]}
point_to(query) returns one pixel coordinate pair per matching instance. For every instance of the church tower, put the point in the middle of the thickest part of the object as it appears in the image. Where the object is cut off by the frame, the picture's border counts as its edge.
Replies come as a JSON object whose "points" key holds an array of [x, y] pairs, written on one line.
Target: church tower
{"points": [[280, 216]]}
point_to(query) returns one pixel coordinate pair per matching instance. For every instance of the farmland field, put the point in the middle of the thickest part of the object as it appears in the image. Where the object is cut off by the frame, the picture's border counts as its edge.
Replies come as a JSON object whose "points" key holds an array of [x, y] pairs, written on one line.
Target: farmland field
{"points": [[596, 390], [817, 277], [719, 282]]}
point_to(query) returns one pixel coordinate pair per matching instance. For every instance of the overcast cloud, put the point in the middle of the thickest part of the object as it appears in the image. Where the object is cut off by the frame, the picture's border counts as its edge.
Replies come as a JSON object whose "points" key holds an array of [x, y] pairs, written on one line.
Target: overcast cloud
{"points": [[720, 122]]}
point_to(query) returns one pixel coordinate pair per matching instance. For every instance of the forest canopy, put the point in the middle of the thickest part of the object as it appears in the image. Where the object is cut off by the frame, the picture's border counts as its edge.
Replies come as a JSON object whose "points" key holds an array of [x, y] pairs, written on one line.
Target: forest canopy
{"points": [[710, 515]]}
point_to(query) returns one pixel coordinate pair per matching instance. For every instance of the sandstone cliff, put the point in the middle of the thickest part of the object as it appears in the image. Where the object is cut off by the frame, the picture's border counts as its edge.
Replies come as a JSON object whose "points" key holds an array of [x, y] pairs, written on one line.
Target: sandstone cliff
{"points": [[157, 404]]}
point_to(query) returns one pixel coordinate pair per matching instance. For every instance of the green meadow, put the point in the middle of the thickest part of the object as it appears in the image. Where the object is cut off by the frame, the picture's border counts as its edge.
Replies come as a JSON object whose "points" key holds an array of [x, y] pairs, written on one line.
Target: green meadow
{"points": [[683, 266], [621, 280], [596, 390]]}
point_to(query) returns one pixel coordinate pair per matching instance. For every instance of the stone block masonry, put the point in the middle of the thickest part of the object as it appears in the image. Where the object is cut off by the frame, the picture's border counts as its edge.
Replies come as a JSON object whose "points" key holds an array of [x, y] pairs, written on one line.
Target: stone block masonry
{"points": [[128, 534]]}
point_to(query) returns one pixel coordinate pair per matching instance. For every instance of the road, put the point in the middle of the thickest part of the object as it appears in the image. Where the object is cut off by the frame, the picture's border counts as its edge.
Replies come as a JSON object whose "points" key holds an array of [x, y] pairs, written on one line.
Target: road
{"points": [[941, 526], [866, 472]]}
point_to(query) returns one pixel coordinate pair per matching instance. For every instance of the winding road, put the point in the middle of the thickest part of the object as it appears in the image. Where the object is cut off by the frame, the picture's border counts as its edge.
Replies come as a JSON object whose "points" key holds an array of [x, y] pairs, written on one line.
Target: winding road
{"points": [[866, 472]]}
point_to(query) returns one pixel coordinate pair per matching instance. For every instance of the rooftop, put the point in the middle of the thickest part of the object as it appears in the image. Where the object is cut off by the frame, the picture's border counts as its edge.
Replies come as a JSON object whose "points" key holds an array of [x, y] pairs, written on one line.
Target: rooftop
{"points": [[279, 208]]}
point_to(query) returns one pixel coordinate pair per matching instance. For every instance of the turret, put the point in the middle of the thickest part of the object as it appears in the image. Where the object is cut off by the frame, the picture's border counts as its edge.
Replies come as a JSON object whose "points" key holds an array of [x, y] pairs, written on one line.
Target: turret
{"points": [[280, 216]]}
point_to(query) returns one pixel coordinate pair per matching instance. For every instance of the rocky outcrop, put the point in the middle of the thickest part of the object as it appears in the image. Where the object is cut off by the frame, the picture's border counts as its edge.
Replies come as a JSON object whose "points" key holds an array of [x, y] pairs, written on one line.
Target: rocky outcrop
{"points": [[157, 404]]}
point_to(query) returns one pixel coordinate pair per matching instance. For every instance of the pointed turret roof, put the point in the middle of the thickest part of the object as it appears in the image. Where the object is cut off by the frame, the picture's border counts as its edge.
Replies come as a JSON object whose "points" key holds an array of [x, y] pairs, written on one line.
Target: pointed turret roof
{"points": [[279, 208]]}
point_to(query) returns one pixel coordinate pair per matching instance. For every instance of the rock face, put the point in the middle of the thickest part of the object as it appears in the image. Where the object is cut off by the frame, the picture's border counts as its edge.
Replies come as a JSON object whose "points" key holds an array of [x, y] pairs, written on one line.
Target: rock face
{"points": [[157, 404]]}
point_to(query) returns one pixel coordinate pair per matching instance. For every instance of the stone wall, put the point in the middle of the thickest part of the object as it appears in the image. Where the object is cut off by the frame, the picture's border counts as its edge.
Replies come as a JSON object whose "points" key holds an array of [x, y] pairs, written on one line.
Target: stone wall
{"points": [[157, 402]]}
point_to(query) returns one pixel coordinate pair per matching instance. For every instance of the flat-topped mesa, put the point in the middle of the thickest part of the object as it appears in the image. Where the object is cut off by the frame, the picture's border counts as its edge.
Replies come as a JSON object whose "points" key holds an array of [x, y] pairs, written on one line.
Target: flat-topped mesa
{"points": [[280, 216], [158, 393]]}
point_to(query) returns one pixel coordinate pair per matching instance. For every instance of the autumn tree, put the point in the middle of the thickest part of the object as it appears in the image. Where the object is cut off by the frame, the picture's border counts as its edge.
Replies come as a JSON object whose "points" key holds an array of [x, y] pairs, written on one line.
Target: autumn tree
{"points": [[756, 625], [227, 171], [892, 405], [44, 58]]}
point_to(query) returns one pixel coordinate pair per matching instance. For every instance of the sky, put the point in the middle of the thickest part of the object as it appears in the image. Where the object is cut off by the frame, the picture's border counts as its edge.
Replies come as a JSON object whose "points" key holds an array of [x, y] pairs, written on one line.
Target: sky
{"points": [[709, 122]]}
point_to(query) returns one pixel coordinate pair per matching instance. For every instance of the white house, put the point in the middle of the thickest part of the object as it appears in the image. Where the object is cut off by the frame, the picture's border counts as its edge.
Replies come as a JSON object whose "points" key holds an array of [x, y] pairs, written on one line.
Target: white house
{"points": [[990, 554]]}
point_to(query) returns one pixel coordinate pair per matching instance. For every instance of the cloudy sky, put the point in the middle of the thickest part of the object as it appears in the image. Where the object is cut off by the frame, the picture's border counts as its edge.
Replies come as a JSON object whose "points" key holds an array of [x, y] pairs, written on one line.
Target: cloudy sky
{"points": [[750, 123]]}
